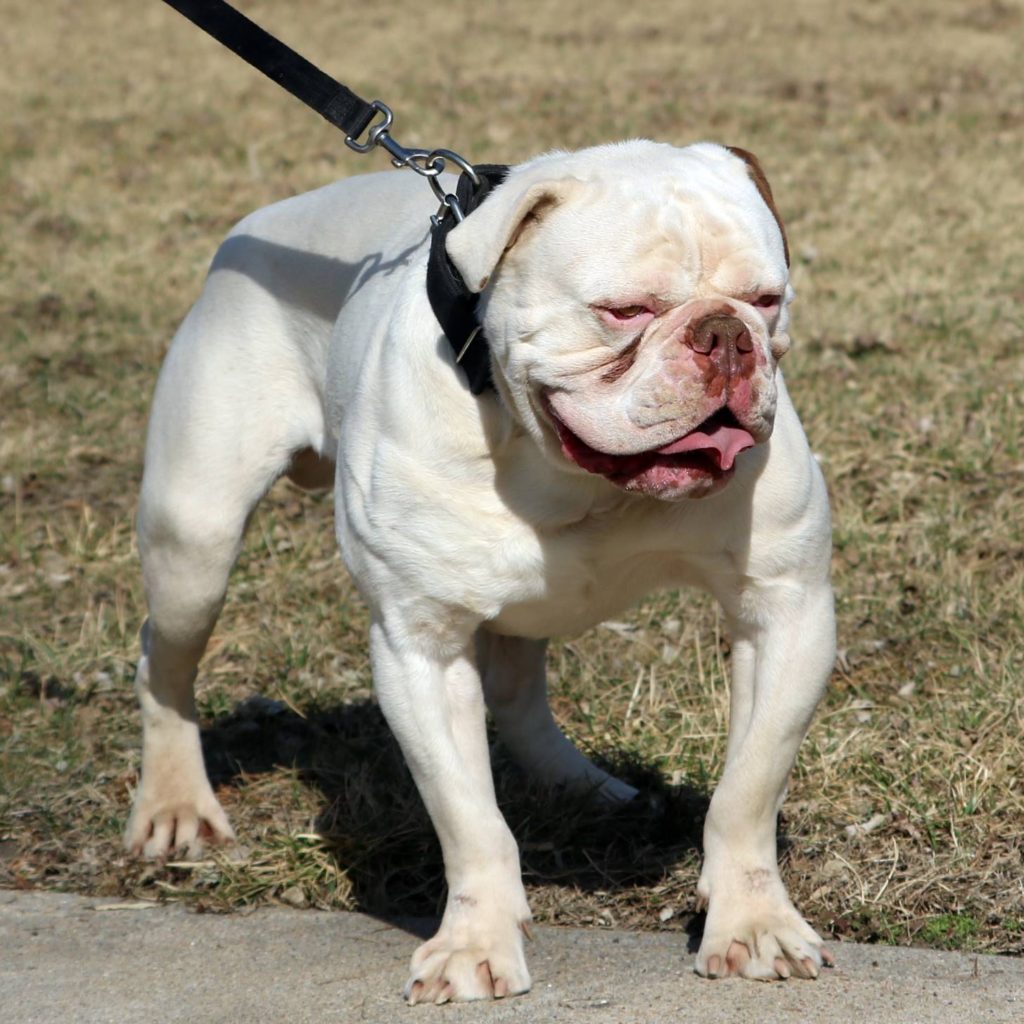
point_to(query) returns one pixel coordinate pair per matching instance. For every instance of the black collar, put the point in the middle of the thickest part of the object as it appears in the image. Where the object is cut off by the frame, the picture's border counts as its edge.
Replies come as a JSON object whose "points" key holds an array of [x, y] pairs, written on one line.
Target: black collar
{"points": [[453, 303]]}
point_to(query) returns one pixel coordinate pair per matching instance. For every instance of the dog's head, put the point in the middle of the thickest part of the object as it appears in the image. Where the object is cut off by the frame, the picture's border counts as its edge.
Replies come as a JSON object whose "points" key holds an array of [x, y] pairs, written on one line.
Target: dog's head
{"points": [[635, 297]]}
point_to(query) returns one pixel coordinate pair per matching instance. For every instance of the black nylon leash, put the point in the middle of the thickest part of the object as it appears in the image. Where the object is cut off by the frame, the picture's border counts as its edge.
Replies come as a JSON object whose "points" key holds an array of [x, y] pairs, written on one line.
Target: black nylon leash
{"points": [[453, 303], [330, 99]]}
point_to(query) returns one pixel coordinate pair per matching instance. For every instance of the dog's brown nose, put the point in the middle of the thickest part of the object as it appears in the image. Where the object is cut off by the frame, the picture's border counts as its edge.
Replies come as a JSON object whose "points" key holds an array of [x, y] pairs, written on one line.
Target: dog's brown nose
{"points": [[719, 331]]}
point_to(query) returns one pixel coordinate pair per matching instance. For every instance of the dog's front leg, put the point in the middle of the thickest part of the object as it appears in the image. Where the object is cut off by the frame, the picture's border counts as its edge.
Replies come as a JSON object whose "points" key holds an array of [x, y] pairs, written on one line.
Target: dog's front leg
{"points": [[783, 649], [433, 700]]}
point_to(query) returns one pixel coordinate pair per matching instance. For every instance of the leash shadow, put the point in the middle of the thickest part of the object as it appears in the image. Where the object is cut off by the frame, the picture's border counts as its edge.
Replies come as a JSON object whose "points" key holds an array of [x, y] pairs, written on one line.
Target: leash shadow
{"points": [[317, 283]]}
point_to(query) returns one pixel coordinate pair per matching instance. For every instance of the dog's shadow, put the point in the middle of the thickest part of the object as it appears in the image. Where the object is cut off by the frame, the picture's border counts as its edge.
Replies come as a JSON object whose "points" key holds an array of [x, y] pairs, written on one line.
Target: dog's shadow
{"points": [[377, 829]]}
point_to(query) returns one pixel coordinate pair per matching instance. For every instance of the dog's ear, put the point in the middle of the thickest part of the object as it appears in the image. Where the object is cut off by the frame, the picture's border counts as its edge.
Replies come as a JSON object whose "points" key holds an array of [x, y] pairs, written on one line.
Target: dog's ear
{"points": [[760, 180], [479, 243]]}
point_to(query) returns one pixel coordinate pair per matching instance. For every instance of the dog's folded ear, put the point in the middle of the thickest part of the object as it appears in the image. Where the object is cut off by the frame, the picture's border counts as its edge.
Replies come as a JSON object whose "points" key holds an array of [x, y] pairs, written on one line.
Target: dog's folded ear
{"points": [[760, 179], [480, 242]]}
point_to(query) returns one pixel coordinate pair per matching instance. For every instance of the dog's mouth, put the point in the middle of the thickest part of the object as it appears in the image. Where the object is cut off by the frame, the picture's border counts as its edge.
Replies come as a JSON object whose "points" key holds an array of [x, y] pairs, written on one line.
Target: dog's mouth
{"points": [[707, 452]]}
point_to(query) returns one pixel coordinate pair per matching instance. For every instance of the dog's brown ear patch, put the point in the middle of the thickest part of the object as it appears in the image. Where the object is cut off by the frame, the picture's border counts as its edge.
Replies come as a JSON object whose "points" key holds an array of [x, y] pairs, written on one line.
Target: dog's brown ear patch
{"points": [[757, 175]]}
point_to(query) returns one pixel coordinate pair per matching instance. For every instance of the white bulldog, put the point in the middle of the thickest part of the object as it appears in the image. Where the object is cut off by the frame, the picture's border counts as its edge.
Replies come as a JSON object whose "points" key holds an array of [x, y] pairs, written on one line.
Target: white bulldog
{"points": [[639, 436]]}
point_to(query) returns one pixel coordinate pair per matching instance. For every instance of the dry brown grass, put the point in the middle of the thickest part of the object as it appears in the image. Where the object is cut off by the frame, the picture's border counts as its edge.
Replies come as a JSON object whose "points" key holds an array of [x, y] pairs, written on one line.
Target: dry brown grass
{"points": [[892, 134]]}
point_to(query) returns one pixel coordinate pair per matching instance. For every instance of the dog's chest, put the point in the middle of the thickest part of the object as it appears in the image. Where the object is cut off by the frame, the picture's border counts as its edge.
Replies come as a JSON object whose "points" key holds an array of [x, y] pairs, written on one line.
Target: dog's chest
{"points": [[575, 578]]}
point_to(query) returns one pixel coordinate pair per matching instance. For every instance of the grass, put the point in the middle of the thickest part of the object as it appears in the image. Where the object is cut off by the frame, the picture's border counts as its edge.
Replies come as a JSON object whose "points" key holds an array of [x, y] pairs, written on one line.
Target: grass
{"points": [[891, 134]]}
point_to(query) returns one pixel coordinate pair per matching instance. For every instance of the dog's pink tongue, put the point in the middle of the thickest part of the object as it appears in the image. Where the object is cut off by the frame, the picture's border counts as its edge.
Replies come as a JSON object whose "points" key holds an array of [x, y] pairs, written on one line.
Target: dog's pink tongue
{"points": [[726, 442]]}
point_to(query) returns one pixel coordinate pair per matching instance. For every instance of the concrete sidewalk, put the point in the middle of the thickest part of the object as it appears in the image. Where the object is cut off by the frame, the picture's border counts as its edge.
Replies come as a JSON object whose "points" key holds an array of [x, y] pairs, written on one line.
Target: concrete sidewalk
{"points": [[68, 959]]}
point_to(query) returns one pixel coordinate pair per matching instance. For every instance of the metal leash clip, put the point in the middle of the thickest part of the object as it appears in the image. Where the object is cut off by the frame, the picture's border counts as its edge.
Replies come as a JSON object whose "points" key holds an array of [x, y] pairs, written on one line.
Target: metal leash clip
{"points": [[429, 163]]}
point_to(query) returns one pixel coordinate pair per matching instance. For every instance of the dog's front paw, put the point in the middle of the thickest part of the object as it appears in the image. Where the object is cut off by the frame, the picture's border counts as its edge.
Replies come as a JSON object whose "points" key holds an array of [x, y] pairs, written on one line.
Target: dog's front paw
{"points": [[754, 931], [475, 956], [173, 818]]}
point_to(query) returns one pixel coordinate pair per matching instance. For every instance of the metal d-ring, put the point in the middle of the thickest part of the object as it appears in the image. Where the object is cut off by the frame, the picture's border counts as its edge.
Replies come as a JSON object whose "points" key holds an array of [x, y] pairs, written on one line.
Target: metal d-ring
{"points": [[373, 136], [439, 156]]}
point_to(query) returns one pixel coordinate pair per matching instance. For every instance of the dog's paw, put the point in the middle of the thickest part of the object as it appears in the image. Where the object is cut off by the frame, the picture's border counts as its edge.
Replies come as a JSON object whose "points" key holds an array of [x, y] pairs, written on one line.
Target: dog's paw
{"points": [[479, 963], [754, 931], [163, 823]]}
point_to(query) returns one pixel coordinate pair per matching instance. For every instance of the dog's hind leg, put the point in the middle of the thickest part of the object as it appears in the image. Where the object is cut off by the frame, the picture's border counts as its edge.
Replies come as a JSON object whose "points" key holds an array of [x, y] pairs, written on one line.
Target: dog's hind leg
{"points": [[515, 687], [230, 411]]}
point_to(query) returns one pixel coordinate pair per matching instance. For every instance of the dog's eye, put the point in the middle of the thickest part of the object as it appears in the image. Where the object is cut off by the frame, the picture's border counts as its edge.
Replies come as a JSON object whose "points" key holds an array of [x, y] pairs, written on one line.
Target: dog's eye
{"points": [[625, 314], [767, 301]]}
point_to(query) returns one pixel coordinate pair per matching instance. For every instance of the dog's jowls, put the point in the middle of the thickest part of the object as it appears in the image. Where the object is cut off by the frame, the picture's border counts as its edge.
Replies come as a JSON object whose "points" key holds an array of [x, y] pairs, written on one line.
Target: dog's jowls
{"points": [[635, 298]]}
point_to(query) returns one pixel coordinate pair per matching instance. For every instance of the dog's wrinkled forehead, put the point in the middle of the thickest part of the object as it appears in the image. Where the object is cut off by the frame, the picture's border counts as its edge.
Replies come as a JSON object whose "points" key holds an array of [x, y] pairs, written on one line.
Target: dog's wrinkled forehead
{"points": [[668, 238], [703, 211]]}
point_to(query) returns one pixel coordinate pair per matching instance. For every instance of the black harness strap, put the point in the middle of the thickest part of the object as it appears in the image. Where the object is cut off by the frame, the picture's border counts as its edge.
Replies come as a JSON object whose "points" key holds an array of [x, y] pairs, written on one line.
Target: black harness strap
{"points": [[453, 303], [330, 99]]}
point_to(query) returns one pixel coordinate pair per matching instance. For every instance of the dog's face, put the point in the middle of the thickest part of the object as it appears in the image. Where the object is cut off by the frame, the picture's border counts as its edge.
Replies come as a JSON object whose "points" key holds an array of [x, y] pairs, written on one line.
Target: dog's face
{"points": [[635, 298]]}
